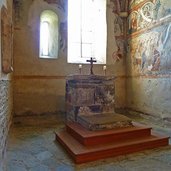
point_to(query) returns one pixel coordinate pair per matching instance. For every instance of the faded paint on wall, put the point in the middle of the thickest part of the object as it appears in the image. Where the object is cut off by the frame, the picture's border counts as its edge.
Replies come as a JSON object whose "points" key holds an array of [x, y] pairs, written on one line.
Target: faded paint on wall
{"points": [[116, 29], [148, 60], [149, 44], [6, 40], [150, 96], [6, 96]]}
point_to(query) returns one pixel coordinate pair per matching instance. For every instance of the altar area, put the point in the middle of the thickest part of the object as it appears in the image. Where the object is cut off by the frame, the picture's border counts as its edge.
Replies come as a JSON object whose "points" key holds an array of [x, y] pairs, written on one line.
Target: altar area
{"points": [[93, 130]]}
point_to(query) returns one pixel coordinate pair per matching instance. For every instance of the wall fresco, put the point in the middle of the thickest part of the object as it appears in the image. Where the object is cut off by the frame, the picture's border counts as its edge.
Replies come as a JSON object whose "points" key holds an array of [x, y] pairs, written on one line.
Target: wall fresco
{"points": [[133, 3], [124, 5], [149, 37], [148, 14], [118, 29]]}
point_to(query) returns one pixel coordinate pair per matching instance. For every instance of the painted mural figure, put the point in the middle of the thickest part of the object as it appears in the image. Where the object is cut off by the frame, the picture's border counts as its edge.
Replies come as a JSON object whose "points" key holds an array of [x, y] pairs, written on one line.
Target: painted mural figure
{"points": [[137, 59], [156, 7], [146, 52], [146, 11], [150, 49], [132, 22], [156, 60], [117, 21], [118, 26], [117, 56], [144, 59], [123, 5]]}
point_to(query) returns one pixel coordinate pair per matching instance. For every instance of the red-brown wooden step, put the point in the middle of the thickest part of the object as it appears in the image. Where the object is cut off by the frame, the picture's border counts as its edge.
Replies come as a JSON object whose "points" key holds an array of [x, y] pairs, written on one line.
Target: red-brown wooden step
{"points": [[82, 154], [89, 138]]}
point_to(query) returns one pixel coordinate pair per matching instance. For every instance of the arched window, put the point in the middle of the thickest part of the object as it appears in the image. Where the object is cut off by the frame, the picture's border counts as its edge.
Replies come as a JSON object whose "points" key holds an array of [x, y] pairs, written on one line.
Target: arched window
{"points": [[49, 34], [87, 31]]}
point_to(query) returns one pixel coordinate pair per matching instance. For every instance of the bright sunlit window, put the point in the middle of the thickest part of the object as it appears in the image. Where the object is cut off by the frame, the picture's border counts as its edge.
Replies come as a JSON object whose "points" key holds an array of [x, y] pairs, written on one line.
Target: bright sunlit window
{"points": [[44, 38], [49, 35], [87, 32]]}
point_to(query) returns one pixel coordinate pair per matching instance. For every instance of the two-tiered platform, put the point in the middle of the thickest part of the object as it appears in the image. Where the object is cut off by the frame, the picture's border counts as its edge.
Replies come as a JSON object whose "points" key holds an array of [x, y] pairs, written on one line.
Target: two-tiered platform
{"points": [[84, 145]]}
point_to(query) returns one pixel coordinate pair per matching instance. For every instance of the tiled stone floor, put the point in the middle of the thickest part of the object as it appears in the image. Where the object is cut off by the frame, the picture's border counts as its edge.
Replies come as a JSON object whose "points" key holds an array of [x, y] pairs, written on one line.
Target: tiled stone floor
{"points": [[31, 147]]}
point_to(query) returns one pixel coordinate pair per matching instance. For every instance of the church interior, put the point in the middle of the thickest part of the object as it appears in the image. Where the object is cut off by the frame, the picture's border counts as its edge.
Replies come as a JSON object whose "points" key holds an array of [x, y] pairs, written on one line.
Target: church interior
{"points": [[64, 114]]}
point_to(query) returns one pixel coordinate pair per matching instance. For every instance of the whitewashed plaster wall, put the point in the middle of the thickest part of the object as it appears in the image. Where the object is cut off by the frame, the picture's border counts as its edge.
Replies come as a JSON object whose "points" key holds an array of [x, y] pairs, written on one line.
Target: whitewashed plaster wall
{"points": [[150, 96]]}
